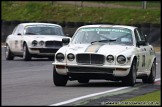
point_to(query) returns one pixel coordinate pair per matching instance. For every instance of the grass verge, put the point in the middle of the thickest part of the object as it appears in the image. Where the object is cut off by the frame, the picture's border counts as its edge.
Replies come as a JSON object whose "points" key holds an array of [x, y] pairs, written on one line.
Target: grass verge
{"points": [[147, 99], [46, 11], [151, 99]]}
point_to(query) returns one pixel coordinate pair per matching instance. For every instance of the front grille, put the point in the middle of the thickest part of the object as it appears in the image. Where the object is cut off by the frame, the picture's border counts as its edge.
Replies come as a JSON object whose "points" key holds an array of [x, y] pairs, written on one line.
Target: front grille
{"points": [[48, 50], [53, 44], [90, 59], [90, 70]]}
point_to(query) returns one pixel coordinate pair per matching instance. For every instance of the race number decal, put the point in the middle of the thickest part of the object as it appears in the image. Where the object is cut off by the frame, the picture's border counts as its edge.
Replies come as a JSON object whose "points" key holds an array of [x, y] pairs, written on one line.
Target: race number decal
{"points": [[143, 60], [16, 44]]}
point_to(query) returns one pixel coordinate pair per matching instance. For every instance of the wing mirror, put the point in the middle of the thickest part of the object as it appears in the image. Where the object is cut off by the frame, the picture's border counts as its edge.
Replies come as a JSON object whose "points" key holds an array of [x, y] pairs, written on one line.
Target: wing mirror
{"points": [[65, 41]]}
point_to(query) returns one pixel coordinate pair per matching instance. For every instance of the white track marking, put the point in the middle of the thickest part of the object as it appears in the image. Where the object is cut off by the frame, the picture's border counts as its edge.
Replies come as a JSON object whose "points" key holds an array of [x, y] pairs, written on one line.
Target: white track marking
{"points": [[91, 95], [86, 96]]}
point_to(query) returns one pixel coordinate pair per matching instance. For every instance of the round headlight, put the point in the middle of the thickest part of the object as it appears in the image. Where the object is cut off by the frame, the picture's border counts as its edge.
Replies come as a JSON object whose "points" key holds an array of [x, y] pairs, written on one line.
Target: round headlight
{"points": [[34, 42], [121, 59], [110, 58], [70, 57], [60, 57], [41, 43]]}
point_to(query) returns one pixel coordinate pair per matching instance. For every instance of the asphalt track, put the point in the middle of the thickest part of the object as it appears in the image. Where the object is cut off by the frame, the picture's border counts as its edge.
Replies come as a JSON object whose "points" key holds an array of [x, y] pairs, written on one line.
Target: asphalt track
{"points": [[30, 83]]}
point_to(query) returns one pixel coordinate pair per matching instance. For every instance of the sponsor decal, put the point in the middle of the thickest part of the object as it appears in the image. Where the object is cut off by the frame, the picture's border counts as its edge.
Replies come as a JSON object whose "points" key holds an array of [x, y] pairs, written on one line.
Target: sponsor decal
{"points": [[107, 29]]}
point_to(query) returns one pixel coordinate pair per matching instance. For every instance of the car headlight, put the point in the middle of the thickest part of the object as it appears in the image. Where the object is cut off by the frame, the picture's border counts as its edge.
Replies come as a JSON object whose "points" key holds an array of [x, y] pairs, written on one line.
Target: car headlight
{"points": [[34, 42], [70, 57], [110, 58], [60, 57], [121, 59], [41, 43]]}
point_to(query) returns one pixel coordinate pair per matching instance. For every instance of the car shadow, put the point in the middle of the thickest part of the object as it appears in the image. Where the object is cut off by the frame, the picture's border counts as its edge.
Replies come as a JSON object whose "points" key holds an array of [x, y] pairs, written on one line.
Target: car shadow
{"points": [[34, 59], [99, 84]]}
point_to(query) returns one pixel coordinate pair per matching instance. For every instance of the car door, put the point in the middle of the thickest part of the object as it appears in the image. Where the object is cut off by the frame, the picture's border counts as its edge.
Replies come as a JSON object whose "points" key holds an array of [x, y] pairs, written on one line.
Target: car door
{"points": [[142, 51], [147, 50], [18, 40]]}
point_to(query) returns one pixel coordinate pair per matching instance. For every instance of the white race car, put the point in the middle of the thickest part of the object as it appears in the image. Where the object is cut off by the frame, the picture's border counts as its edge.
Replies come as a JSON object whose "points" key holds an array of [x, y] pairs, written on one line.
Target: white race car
{"points": [[110, 52], [34, 40]]}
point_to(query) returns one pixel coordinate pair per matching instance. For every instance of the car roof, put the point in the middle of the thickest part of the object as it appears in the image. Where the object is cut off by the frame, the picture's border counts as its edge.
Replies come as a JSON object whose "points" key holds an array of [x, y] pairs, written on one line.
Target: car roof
{"points": [[105, 25], [27, 24]]}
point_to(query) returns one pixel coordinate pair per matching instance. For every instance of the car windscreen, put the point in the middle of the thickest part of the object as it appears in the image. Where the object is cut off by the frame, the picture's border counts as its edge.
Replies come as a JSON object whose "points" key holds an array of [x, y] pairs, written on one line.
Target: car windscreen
{"points": [[111, 35], [43, 30]]}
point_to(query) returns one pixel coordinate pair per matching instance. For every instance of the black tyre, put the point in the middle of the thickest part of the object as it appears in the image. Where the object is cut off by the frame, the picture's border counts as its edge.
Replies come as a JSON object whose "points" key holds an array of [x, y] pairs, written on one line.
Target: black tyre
{"points": [[26, 54], [8, 53], [130, 79], [59, 80], [83, 80], [151, 78]]}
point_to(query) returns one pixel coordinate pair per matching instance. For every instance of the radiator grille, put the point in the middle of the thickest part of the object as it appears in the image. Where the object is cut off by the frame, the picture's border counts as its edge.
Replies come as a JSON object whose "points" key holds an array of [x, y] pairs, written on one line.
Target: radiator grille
{"points": [[90, 59], [53, 44]]}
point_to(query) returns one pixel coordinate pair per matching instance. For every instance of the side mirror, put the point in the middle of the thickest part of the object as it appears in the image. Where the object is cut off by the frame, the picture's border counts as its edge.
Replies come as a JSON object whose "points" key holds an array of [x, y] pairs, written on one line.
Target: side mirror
{"points": [[19, 34], [139, 43], [65, 41], [146, 37]]}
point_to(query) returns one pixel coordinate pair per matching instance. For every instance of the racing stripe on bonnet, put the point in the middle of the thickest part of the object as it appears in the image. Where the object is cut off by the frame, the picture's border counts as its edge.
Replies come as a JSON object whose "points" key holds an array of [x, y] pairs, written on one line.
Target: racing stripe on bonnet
{"points": [[93, 48]]}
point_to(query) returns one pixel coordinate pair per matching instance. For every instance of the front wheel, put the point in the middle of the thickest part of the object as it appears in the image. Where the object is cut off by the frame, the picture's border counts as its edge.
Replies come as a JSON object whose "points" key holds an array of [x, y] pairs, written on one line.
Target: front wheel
{"points": [[151, 78], [8, 53], [130, 79], [26, 54], [59, 80]]}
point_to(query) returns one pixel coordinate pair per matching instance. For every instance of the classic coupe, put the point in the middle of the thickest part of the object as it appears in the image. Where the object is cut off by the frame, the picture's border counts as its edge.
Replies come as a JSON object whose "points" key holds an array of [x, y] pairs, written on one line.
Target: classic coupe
{"points": [[34, 40], [109, 52]]}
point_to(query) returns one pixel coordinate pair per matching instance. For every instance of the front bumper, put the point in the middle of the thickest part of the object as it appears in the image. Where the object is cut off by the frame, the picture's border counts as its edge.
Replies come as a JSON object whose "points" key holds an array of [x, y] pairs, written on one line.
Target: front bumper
{"points": [[117, 71], [43, 51]]}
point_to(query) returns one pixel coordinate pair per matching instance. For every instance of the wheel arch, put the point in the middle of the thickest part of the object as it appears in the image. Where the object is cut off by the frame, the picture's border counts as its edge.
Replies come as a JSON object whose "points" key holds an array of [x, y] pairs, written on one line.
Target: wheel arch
{"points": [[152, 61], [134, 57], [24, 42]]}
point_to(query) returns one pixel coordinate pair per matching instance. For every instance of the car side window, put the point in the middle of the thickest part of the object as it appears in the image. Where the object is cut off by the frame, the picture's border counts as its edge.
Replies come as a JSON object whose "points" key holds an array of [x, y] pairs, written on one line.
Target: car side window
{"points": [[18, 29], [21, 29], [14, 31], [141, 34], [137, 35]]}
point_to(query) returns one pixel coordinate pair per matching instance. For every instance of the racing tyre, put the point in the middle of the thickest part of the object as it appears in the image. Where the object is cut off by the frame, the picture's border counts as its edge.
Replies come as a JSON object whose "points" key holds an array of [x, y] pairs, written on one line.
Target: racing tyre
{"points": [[26, 54], [83, 80], [8, 53], [59, 80], [151, 78], [130, 79]]}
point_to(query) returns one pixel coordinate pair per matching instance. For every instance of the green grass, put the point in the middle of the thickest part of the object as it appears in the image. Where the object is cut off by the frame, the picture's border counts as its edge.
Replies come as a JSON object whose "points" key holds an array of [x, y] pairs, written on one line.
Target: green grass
{"points": [[149, 99], [46, 11]]}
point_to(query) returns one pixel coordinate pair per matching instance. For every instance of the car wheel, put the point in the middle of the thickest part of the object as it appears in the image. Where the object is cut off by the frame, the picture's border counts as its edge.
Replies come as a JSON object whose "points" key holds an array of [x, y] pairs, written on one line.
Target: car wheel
{"points": [[130, 79], [59, 80], [83, 80], [8, 53], [26, 54], [151, 77]]}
